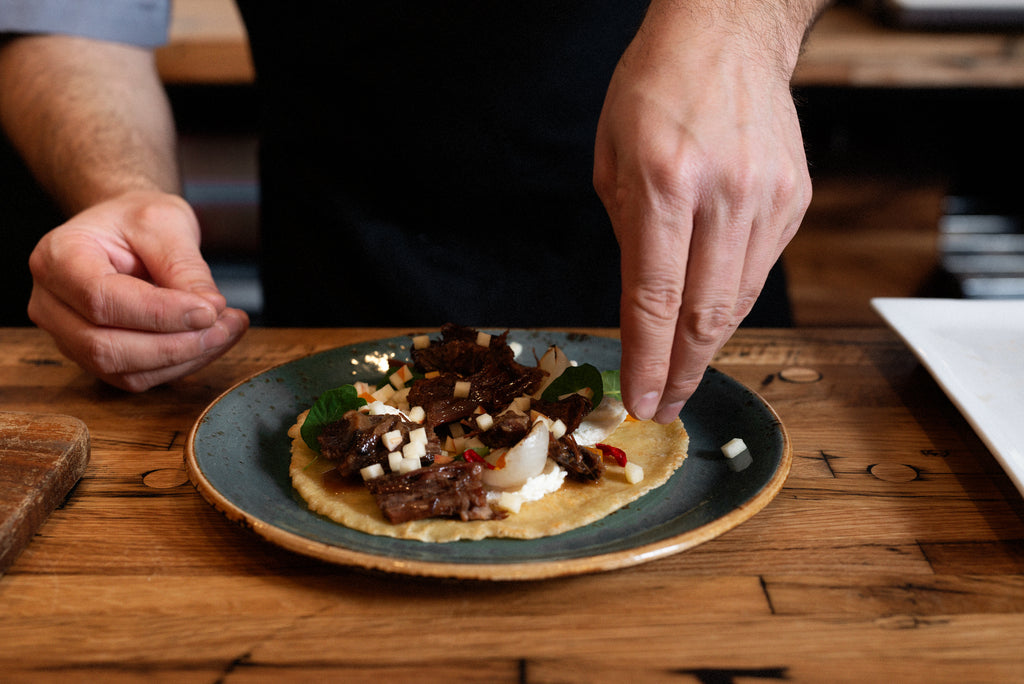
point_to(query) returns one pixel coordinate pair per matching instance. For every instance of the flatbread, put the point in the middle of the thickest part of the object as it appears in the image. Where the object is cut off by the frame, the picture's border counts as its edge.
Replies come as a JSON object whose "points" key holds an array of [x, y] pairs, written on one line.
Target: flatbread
{"points": [[658, 449]]}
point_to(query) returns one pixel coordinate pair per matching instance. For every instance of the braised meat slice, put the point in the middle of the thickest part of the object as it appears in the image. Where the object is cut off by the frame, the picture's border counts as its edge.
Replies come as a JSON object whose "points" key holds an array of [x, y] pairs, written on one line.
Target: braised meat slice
{"points": [[571, 410], [354, 442], [426, 391], [495, 377], [581, 464], [447, 410], [495, 385], [458, 352], [452, 490], [508, 429]]}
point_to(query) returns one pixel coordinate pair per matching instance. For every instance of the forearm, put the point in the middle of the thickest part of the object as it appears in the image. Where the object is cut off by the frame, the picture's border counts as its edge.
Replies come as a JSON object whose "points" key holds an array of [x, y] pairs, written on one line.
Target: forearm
{"points": [[770, 31], [90, 118]]}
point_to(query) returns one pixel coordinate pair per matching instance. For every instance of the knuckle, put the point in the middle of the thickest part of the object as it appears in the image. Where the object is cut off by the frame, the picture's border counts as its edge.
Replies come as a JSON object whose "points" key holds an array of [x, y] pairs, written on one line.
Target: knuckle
{"points": [[95, 304], [794, 188], [743, 180], [37, 264], [706, 325], [659, 302], [744, 303], [668, 173], [101, 356], [168, 210]]}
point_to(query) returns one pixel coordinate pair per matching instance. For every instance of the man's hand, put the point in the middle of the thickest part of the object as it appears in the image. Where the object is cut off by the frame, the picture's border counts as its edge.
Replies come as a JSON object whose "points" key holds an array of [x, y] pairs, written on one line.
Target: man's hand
{"points": [[699, 161], [124, 291]]}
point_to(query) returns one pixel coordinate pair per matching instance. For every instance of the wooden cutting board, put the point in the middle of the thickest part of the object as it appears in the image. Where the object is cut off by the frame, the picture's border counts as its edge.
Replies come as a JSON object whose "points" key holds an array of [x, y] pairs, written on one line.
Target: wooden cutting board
{"points": [[42, 456]]}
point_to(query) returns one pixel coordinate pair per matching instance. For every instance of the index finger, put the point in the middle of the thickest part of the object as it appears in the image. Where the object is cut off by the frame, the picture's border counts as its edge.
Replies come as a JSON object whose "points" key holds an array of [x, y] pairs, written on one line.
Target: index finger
{"points": [[710, 310], [654, 264], [92, 287]]}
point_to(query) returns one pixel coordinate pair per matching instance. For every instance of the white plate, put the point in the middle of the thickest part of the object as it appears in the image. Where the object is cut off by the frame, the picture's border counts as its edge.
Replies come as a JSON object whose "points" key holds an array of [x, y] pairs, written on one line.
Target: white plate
{"points": [[975, 350]]}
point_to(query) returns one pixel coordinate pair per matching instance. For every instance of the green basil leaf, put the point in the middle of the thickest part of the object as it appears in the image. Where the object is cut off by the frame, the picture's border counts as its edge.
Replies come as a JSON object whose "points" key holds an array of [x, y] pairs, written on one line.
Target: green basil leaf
{"points": [[328, 408], [573, 379]]}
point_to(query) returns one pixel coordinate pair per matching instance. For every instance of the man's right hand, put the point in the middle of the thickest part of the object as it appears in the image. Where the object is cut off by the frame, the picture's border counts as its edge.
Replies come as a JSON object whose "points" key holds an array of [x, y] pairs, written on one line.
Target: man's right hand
{"points": [[124, 291]]}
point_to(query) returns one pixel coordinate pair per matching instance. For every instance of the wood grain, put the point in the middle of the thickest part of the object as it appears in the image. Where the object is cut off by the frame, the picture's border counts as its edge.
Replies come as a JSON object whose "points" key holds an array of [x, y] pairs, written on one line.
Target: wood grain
{"points": [[894, 552], [849, 48], [42, 456]]}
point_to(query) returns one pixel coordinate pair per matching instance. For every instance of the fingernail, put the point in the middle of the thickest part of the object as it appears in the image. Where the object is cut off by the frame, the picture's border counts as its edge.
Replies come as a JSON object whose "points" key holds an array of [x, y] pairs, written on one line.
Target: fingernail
{"points": [[646, 406], [215, 336], [201, 318]]}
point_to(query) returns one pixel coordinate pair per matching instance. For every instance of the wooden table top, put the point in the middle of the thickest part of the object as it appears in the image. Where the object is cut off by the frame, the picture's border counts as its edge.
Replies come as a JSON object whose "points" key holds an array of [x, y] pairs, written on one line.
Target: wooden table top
{"points": [[894, 552], [846, 48]]}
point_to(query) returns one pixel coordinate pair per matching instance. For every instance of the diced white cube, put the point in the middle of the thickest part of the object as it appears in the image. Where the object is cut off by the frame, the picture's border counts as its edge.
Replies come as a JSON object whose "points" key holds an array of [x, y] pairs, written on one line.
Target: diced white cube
{"points": [[557, 429], [395, 461], [483, 339], [462, 389], [414, 450], [409, 464], [392, 440], [372, 471], [420, 342], [418, 435], [484, 421], [401, 396], [383, 394], [417, 414], [509, 502], [737, 454], [377, 408], [733, 448], [400, 377], [634, 473]]}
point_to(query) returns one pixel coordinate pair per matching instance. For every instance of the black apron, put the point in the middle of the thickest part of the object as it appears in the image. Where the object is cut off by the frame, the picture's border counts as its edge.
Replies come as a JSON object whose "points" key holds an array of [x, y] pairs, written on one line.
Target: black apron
{"points": [[424, 162]]}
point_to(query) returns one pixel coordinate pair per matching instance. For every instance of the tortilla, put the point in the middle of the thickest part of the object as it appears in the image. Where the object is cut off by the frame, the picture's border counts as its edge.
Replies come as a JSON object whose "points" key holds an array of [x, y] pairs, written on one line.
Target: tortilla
{"points": [[658, 449]]}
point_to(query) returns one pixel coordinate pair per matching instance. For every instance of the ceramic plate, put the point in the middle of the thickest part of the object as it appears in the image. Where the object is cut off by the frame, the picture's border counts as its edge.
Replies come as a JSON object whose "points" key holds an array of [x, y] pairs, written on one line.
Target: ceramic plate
{"points": [[237, 456], [975, 351]]}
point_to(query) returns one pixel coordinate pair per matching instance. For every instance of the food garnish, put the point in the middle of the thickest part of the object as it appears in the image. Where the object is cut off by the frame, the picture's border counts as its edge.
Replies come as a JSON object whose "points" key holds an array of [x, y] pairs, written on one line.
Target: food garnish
{"points": [[737, 455], [463, 430]]}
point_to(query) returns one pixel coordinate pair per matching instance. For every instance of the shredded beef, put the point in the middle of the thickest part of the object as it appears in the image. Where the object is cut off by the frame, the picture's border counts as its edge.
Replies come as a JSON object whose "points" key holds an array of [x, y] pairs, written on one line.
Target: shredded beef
{"points": [[571, 410], [495, 385], [508, 429], [458, 352], [447, 410], [581, 464], [453, 490], [355, 440], [495, 377]]}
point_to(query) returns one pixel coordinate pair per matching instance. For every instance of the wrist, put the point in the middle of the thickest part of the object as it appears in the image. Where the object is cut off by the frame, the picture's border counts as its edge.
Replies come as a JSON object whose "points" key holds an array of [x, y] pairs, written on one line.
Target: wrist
{"points": [[767, 34]]}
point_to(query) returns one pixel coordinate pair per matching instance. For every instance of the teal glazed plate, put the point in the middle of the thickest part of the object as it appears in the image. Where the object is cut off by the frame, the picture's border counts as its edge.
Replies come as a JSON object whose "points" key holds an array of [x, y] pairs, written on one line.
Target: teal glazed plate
{"points": [[238, 451]]}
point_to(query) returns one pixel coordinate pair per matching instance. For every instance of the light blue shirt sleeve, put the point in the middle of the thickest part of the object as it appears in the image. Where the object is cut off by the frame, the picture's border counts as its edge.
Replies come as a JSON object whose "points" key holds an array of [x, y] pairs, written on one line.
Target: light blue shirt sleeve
{"points": [[136, 22]]}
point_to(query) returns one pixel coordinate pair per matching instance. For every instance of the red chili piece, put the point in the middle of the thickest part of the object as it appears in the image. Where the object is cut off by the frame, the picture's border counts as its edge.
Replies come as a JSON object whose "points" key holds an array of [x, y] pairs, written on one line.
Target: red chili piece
{"points": [[473, 457], [613, 452]]}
